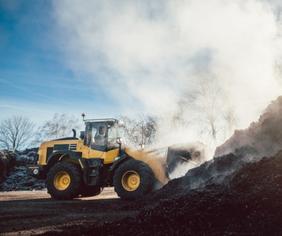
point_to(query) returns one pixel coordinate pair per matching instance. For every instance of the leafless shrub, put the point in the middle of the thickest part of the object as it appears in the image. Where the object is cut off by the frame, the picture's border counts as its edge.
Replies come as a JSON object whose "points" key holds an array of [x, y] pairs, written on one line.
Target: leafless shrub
{"points": [[59, 126], [140, 131], [207, 108], [16, 133]]}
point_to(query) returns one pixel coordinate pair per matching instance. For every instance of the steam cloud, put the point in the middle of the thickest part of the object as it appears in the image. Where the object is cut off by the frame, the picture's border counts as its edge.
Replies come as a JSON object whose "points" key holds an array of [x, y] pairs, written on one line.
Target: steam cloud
{"points": [[197, 64]]}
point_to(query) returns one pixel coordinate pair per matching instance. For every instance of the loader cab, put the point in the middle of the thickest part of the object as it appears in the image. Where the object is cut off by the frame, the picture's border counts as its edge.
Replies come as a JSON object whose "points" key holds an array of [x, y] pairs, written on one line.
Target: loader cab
{"points": [[102, 135]]}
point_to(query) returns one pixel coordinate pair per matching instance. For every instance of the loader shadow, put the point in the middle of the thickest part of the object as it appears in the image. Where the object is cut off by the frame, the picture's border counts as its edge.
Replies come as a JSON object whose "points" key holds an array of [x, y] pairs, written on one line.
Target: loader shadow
{"points": [[32, 214], [50, 201]]}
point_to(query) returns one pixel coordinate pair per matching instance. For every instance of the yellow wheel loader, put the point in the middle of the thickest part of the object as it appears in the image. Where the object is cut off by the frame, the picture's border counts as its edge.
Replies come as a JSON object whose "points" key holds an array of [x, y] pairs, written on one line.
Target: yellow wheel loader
{"points": [[76, 167]]}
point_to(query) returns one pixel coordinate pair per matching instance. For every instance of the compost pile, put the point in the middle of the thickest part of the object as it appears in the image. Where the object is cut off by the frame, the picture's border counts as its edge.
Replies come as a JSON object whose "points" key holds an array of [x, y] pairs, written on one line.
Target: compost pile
{"points": [[15, 173], [238, 192], [7, 161], [262, 139], [249, 205]]}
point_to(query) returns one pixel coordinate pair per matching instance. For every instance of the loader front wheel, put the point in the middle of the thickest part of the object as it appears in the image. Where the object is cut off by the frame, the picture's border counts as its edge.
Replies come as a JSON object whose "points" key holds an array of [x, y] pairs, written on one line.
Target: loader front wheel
{"points": [[133, 179], [64, 181]]}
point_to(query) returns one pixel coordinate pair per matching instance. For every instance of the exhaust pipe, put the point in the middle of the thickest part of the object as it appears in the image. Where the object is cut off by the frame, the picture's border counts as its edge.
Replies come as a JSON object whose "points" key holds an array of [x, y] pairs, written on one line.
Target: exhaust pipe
{"points": [[74, 133]]}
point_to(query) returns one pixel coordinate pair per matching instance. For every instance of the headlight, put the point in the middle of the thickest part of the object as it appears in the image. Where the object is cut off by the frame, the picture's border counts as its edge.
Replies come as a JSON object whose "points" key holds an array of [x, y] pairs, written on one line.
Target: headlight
{"points": [[35, 171]]}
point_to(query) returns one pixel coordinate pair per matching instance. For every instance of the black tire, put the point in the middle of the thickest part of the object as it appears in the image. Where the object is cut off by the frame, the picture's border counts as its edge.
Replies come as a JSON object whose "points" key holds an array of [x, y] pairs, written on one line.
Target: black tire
{"points": [[147, 179], [73, 190]]}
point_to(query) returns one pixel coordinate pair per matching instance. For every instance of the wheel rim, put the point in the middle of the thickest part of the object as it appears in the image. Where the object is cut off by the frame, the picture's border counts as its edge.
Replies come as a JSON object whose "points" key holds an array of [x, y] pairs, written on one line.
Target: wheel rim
{"points": [[62, 180], [130, 180]]}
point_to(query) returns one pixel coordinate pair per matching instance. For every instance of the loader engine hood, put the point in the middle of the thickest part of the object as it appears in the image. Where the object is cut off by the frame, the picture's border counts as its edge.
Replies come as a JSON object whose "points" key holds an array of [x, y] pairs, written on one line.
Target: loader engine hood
{"points": [[59, 143], [64, 144], [67, 138]]}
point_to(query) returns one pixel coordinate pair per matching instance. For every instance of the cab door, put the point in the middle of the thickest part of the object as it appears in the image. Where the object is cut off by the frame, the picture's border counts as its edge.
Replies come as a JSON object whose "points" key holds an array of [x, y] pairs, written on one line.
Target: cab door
{"points": [[99, 145]]}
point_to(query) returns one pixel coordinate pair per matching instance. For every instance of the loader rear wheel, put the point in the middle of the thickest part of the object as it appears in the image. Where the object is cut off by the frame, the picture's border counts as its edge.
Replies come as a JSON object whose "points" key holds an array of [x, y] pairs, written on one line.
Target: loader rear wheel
{"points": [[133, 179], [64, 181]]}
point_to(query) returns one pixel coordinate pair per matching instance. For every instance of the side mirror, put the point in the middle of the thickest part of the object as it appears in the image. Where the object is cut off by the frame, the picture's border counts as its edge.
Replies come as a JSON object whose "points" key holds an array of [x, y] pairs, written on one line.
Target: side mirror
{"points": [[82, 135]]}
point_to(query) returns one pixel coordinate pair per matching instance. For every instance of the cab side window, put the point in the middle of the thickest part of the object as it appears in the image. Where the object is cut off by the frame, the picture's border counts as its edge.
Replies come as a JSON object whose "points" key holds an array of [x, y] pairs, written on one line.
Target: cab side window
{"points": [[112, 135], [88, 137]]}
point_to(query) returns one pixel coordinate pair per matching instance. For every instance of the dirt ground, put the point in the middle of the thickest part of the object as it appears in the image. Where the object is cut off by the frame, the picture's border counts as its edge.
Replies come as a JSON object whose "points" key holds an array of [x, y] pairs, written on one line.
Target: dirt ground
{"points": [[33, 212]]}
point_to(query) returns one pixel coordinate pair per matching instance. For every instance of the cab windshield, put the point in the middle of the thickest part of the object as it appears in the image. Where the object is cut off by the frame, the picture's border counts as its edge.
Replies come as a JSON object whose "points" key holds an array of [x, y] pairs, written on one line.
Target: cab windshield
{"points": [[102, 135], [114, 132]]}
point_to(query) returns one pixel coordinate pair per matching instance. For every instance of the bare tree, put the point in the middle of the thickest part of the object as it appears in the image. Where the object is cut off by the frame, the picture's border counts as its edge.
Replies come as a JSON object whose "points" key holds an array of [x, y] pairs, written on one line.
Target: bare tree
{"points": [[16, 133], [231, 120], [140, 131], [210, 104], [59, 126], [208, 109]]}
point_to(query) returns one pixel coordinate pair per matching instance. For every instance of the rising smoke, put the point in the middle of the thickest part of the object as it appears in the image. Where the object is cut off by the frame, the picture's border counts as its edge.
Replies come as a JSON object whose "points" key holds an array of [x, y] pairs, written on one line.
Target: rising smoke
{"points": [[263, 138], [203, 67]]}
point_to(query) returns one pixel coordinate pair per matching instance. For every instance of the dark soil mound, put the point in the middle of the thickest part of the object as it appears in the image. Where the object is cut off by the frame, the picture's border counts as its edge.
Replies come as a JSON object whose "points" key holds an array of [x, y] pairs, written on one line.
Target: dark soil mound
{"points": [[18, 177], [27, 157], [263, 137], [7, 161], [216, 171], [250, 205]]}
